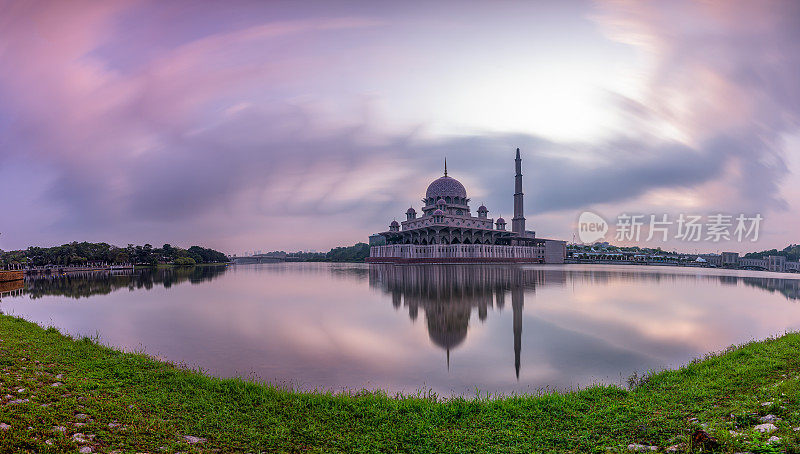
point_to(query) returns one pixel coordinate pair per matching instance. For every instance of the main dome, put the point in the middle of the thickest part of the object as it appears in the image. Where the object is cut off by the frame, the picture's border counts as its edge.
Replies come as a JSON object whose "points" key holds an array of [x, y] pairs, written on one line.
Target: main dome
{"points": [[446, 187]]}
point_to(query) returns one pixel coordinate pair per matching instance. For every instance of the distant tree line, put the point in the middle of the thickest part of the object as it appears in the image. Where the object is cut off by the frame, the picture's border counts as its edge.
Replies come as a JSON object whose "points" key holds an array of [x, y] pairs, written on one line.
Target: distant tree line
{"points": [[791, 252], [85, 253], [356, 253]]}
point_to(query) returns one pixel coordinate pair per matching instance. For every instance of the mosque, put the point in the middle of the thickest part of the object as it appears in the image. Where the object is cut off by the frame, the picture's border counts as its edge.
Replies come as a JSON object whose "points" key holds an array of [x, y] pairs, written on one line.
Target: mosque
{"points": [[447, 232]]}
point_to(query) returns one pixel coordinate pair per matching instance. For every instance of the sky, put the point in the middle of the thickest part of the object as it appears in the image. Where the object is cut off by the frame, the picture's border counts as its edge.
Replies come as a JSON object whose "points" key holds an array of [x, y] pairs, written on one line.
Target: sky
{"points": [[252, 125]]}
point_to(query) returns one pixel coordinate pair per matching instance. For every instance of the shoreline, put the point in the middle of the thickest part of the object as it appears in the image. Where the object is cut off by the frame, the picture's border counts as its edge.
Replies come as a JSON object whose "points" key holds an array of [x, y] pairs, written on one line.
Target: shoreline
{"points": [[108, 400]]}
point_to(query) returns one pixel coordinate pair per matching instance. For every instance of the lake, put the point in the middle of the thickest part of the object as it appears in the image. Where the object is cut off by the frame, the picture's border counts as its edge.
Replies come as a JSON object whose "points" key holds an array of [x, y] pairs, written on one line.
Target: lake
{"points": [[452, 329]]}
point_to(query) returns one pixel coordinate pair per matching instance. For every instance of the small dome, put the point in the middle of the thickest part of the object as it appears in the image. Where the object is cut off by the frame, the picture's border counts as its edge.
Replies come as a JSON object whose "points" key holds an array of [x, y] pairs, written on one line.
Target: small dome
{"points": [[482, 208], [446, 186], [501, 221], [411, 210], [441, 202], [394, 224], [438, 213]]}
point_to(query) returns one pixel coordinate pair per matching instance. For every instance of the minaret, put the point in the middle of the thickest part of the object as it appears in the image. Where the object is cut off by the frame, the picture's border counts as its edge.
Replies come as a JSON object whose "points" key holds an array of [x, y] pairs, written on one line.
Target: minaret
{"points": [[518, 221]]}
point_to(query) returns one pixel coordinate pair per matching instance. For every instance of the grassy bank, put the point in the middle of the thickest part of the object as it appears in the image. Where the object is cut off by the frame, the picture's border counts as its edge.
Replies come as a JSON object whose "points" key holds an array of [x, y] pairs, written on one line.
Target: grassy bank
{"points": [[53, 387]]}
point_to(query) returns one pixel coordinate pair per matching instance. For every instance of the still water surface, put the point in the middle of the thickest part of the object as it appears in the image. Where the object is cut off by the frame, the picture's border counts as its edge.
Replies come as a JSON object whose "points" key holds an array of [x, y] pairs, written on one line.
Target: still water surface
{"points": [[453, 329]]}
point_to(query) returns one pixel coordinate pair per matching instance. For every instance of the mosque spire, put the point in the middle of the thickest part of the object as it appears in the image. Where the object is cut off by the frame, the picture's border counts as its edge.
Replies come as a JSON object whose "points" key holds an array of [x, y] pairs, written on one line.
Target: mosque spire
{"points": [[445, 166], [518, 222]]}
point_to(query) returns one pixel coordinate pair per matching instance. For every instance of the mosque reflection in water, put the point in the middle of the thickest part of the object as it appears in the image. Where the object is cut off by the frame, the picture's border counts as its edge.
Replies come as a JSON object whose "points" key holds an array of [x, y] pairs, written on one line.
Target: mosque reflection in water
{"points": [[447, 294]]}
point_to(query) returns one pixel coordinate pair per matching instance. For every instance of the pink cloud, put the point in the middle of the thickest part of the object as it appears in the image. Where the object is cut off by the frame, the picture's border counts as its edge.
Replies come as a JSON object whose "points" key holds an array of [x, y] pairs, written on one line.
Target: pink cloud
{"points": [[214, 134]]}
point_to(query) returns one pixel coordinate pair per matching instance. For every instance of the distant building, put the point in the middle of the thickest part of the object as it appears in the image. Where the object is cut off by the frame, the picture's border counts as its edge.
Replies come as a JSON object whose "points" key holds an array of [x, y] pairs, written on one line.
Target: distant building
{"points": [[447, 232], [776, 263], [752, 263], [730, 259], [712, 259]]}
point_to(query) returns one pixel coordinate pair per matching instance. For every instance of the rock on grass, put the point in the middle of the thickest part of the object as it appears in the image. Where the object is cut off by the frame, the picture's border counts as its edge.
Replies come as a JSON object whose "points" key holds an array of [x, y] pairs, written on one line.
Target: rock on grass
{"points": [[192, 440], [641, 448], [766, 428], [79, 438]]}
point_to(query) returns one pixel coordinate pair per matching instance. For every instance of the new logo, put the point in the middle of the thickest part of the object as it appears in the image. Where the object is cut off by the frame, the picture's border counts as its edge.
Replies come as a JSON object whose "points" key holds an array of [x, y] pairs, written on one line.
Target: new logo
{"points": [[591, 227]]}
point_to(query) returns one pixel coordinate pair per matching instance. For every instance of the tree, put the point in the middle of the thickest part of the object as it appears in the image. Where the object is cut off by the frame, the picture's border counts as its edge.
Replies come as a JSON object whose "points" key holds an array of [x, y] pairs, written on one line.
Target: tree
{"points": [[355, 253], [84, 252], [204, 255], [184, 261]]}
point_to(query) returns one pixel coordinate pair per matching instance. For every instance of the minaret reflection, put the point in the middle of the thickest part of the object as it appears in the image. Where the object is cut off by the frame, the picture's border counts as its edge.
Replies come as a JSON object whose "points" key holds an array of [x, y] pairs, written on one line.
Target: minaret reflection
{"points": [[517, 301], [448, 293]]}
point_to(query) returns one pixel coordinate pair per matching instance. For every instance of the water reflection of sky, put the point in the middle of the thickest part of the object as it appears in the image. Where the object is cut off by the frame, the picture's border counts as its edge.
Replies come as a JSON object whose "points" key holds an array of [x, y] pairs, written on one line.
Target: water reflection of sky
{"points": [[454, 329]]}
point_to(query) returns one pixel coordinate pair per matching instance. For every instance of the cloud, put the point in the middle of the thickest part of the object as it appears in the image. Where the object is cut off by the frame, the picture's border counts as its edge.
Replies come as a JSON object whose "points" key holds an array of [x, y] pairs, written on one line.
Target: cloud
{"points": [[222, 134], [722, 79]]}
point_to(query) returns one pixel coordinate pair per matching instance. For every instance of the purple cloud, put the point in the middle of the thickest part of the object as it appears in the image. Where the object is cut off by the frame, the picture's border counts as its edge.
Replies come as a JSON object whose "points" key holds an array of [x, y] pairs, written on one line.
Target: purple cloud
{"points": [[264, 125]]}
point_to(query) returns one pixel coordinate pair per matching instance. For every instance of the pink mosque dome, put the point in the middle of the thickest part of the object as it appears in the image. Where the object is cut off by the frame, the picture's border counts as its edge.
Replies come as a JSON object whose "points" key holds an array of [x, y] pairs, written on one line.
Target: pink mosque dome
{"points": [[445, 187]]}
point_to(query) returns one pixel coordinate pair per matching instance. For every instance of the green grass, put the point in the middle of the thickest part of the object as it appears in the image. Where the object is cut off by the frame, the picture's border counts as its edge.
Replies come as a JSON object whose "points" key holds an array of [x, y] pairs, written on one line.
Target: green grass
{"points": [[156, 404]]}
